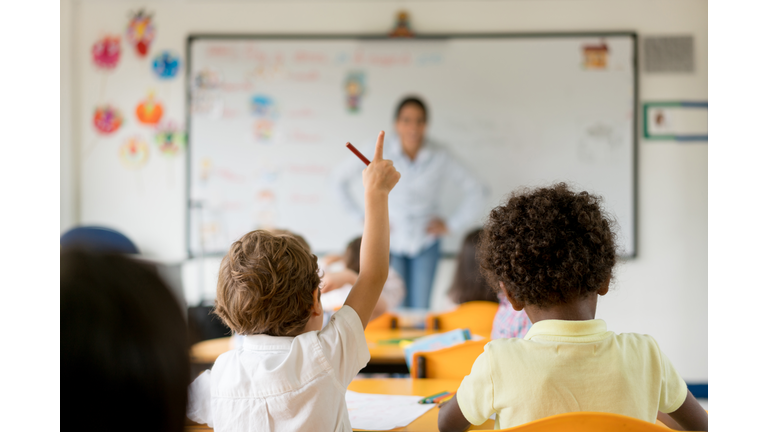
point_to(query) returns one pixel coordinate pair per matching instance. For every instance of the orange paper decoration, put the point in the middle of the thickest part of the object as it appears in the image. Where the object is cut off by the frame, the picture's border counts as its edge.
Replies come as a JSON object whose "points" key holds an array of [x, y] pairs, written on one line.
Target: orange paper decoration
{"points": [[149, 111]]}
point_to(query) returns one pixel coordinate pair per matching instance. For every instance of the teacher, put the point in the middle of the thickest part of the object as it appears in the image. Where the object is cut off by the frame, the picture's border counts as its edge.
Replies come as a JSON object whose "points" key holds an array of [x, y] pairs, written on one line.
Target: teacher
{"points": [[415, 223]]}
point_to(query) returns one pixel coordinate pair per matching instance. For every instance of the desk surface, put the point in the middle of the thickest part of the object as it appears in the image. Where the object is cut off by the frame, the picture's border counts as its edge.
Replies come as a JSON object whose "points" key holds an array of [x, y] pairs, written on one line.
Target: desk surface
{"points": [[206, 352], [398, 386]]}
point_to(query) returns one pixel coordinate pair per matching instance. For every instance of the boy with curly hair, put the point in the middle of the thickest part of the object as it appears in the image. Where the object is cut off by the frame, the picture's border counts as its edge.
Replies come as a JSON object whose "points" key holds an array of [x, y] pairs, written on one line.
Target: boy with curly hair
{"points": [[552, 251], [291, 373]]}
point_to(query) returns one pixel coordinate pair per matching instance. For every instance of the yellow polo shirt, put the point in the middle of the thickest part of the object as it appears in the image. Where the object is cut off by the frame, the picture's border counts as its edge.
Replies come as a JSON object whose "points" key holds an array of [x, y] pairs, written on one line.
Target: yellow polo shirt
{"points": [[567, 366]]}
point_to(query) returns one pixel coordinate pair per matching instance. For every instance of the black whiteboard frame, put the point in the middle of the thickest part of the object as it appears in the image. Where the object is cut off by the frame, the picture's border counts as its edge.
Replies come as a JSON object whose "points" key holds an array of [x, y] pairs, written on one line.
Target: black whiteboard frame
{"points": [[434, 36]]}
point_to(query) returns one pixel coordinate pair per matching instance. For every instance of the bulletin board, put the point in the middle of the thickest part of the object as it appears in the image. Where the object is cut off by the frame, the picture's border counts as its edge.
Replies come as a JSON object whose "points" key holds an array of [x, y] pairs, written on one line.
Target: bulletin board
{"points": [[268, 117]]}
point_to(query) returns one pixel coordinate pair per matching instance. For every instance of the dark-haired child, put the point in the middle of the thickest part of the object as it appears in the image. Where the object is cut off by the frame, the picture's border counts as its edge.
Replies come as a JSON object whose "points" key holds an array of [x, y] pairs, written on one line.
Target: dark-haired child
{"points": [[289, 374], [552, 252], [340, 276], [468, 285], [124, 346]]}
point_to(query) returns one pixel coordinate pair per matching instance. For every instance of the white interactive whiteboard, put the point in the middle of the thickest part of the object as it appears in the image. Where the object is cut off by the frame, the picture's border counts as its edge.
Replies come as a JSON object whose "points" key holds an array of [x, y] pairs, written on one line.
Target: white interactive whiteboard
{"points": [[269, 117]]}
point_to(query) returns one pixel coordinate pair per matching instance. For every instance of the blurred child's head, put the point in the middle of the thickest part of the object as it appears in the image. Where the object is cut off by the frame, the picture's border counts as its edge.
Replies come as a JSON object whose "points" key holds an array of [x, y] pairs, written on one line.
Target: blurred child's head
{"points": [[124, 346], [548, 246], [468, 284], [352, 255], [268, 285], [298, 237]]}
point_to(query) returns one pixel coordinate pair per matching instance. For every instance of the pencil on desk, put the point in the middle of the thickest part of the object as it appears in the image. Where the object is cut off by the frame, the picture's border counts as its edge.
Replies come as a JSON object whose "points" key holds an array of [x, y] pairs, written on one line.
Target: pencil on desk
{"points": [[443, 398], [430, 399]]}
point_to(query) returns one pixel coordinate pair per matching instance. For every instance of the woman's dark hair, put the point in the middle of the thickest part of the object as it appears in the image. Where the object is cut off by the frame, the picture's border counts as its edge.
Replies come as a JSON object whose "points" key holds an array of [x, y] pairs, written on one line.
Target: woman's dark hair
{"points": [[414, 101], [468, 284], [352, 255], [548, 246], [124, 347]]}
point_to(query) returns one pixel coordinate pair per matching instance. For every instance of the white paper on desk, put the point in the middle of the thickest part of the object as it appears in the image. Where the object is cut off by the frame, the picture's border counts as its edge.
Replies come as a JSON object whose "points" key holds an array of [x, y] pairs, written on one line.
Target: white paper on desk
{"points": [[383, 412]]}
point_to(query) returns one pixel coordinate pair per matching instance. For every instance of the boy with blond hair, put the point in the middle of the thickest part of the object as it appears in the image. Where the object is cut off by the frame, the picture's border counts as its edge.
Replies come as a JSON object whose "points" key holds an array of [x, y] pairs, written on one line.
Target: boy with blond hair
{"points": [[290, 373]]}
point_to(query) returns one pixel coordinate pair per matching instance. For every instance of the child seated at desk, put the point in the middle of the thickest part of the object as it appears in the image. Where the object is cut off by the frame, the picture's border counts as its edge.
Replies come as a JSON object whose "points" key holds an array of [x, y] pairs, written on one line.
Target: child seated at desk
{"points": [[289, 374], [552, 252], [339, 277]]}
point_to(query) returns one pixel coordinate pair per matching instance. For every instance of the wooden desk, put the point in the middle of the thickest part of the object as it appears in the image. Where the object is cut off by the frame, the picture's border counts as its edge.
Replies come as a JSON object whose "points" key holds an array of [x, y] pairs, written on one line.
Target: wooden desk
{"points": [[397, 386], [206, 352]]}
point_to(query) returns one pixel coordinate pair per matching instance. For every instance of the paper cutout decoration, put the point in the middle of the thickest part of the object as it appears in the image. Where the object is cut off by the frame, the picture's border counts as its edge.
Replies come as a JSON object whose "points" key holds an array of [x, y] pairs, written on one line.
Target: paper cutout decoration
{"points": [[166, 65], [141, 32], [402, 26], [170, 139], [134, 154], [354, 87], [149, 111], [263, 130], [595, 56], [263, 106], [105, 53], [107, 119]]}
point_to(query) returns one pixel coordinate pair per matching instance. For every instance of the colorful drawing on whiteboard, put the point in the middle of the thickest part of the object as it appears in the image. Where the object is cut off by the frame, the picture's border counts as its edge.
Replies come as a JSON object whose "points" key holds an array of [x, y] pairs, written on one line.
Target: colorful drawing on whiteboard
{"points": [[105, 53], [166, 65], [169, 138], [207, 79], [149, 111], [354, 88], [263, 130], [595, 56], [141, 31], [263, 106], [134, 154], [107, 119]]}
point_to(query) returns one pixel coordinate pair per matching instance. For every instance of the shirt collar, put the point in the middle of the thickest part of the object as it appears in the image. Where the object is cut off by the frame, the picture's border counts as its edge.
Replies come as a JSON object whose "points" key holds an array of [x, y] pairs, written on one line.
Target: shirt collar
{"points": [[267, 343], [569, 331]]}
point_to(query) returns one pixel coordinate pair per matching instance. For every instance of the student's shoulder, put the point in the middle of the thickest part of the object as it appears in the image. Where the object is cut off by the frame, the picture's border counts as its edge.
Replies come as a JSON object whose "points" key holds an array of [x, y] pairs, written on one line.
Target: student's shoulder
{"points": [[641, 343]]}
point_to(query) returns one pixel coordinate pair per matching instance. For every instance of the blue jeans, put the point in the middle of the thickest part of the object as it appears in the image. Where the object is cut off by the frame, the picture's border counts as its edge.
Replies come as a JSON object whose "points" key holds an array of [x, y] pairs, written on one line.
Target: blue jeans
{"points": [[418, 273]]}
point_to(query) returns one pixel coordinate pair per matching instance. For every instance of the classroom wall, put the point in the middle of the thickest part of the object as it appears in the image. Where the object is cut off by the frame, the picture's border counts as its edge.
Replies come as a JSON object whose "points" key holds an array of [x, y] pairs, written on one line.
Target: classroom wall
{"points": [[663, 292]]}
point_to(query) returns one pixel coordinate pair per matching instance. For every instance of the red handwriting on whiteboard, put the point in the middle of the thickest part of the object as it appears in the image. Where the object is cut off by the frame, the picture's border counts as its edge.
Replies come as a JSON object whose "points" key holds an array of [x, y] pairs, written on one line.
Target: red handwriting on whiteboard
{"points": [[300, 198], [308, 76], [304, 137], [230, 176], [303, 56]]}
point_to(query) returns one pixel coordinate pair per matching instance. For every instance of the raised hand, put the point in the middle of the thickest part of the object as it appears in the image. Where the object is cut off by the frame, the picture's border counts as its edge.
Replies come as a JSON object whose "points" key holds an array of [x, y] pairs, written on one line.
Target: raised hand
{"points": [[380, 175]]}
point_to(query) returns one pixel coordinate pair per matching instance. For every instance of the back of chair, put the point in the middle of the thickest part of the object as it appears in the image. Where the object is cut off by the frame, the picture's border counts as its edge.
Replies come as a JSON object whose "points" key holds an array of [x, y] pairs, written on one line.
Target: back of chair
{"points": [[454, 362], [97, 239], [588, 422], [386, 321], [477, 316]]}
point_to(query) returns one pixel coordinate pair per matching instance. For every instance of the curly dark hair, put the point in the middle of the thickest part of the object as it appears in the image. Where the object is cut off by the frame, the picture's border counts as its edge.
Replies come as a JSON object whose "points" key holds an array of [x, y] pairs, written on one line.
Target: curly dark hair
{"points": [[267, 285], [548, 246]]}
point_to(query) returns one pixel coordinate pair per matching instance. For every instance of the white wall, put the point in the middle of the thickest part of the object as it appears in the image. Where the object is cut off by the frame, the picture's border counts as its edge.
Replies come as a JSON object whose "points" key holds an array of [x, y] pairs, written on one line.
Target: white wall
{"points": [[69, 188], [663, 292]]}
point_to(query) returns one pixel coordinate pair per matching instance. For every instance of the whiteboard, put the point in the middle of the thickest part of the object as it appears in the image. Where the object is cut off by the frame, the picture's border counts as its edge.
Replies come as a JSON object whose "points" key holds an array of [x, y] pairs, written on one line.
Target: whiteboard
{"points": [[268, 118]]}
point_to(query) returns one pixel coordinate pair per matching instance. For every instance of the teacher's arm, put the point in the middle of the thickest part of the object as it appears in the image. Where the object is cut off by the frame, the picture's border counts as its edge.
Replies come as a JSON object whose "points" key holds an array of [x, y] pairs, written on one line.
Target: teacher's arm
{"points": [[474, 196]]}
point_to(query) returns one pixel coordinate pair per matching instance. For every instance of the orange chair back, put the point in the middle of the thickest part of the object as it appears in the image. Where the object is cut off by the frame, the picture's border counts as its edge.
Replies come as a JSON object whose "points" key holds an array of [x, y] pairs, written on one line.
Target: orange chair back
{"points": [[386, 321], [454, 362], [588, 422], [477, 316]]}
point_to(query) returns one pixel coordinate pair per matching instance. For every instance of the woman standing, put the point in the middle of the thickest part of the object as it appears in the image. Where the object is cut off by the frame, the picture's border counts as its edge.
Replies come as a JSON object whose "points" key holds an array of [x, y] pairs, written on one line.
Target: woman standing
{"points": [[415, 225]]}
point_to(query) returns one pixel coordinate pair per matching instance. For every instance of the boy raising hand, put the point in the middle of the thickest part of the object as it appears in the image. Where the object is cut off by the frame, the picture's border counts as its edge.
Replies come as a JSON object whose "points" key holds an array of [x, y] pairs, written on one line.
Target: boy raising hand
{"points": [[290, 373]]}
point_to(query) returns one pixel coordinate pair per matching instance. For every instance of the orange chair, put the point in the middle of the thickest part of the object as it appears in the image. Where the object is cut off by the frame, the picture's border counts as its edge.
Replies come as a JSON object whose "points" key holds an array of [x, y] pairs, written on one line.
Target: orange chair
{"points": [[477, 316], [385, 321], [588, 422], [454, 362]]}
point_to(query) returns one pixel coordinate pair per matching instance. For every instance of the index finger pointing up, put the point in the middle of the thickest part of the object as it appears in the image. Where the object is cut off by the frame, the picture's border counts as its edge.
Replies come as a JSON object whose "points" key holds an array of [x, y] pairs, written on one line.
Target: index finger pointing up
{"points": [[378, 154]]}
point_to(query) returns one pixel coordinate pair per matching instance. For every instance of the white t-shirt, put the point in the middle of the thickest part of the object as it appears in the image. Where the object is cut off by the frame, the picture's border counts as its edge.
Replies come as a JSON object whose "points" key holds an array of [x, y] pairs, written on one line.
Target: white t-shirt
{"points": [[283, 383]]}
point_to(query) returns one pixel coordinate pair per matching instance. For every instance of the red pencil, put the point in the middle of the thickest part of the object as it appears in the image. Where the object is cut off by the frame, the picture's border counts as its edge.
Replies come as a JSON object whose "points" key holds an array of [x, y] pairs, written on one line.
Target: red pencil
{"points": [[358, 154]]}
